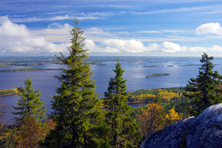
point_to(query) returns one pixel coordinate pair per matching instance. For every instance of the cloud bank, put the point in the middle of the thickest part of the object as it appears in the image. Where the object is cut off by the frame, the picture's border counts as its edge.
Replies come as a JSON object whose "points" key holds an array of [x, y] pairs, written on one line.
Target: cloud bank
{"points": [[81, 16], [36, 19], [16, 38], [135, 46]]}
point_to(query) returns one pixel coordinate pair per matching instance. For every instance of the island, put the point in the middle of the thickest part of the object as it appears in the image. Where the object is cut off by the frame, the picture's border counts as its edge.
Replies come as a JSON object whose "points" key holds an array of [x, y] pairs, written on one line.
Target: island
{"points": [[101, 64], [152, 66], [8, 92], [157, 75], [189, 65]]}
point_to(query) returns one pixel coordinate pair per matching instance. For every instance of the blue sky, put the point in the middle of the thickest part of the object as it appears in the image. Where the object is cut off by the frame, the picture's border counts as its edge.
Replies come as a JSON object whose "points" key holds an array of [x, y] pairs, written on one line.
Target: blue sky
{"points": [[113, 28]]}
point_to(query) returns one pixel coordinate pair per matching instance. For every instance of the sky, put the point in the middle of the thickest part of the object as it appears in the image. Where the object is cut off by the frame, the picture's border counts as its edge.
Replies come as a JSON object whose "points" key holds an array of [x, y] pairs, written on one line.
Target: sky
{"points": [[112, 27]]}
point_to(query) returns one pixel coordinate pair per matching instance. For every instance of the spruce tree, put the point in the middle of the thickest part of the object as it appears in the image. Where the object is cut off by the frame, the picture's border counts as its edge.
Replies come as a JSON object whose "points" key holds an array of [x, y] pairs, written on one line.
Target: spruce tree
{"points": [[29, 104], [205, 90], [123, 129], [76, 106]]}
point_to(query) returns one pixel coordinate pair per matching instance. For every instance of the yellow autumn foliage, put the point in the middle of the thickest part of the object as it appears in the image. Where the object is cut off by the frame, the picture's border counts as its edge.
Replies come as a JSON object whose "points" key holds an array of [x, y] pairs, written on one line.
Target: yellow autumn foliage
{"points": [[163, 94], [6, 92], [173, 115], [150, 120]]}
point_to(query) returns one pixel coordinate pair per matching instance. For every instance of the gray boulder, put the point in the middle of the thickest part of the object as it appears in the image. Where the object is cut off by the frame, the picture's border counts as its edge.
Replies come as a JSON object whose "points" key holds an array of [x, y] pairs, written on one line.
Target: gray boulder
{"points": [[204, 131]]}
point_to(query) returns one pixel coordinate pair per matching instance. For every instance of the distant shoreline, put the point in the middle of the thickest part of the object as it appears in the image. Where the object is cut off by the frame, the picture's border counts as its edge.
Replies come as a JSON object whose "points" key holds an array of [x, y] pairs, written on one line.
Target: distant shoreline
{"points": [[25, 69]]}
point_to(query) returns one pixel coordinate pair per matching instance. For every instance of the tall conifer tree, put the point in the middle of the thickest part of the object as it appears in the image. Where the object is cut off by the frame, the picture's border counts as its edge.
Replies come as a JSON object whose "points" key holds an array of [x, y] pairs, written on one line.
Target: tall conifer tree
{"points": [[123, 129], [29, 104], [205, 90], [76, 106]]}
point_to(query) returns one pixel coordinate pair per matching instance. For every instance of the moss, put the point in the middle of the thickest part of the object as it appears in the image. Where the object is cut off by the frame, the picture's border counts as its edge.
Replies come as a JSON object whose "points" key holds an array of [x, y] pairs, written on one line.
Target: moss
{"points": [[218, 127], [183, 144]]}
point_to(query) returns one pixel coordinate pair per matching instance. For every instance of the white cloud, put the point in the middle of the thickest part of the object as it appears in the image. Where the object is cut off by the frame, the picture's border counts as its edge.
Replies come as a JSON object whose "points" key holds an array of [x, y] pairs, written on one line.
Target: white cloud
{"points": [[166, 31], [55, 32], [149, 31], [214, 12], [93, 31], [174, 10], [98, 35], [82, 16], [209, 28], [131, 46], [178, 31], [216, 48], [171, 47], [135, 46], [36, 19], [60, 17], [95, 15], [18, 38]]}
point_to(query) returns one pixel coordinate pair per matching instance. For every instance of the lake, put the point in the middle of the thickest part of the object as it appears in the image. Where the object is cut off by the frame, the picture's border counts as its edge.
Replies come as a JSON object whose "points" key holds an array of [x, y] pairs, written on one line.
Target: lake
{"points": [[180, 70]]}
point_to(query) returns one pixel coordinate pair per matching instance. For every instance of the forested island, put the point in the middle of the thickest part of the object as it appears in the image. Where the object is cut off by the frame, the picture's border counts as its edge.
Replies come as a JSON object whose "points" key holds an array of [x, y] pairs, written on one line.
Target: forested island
{"points": [[157, 75], [152, 66], [7, 92]]}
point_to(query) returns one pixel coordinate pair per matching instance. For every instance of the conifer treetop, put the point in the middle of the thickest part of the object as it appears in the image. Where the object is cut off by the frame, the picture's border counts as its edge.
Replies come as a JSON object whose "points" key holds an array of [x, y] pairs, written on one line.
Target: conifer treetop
{"points": [[205, 90], [30, 103], [76, 106]]}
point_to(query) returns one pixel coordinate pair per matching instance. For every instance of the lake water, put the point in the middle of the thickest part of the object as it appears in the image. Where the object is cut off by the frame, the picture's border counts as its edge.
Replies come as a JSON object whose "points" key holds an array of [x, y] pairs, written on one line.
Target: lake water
{"points": [[135, 74]]}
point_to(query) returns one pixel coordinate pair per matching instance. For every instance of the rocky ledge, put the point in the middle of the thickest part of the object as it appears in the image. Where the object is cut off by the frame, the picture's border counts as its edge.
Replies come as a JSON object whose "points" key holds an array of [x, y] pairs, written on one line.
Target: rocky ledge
{"points": [[204, 131]]}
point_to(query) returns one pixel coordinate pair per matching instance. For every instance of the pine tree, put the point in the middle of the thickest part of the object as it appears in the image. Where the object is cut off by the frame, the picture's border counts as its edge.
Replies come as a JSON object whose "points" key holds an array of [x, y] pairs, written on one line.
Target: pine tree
{"points": [[205, 90], [123, 129], [29, 104], [76, 106]]}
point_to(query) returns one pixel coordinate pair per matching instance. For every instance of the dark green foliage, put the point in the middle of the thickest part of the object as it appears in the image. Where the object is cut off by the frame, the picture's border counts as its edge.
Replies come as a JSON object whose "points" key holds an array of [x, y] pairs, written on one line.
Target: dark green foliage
{"points": [[8, 137], [178, 103], [76, 106], [123, 129], [155, 91], [29, 104], [205, 90], [1, 114]]}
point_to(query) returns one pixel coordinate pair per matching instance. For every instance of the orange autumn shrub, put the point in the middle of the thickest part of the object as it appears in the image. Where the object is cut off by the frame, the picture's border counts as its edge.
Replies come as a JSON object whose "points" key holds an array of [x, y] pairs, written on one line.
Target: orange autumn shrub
{"points": [[150, 120], [30, 135]]}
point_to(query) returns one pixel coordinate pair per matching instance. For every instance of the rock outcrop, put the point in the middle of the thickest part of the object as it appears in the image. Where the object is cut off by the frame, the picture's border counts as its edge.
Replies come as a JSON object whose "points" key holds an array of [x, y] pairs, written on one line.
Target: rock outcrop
{"points": [[194, 132]]}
